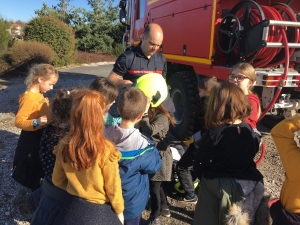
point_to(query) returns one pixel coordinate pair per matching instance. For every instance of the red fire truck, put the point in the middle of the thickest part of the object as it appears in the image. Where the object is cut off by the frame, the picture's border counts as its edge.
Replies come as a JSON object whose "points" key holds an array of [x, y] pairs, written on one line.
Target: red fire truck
{"points": [[207, 37]]}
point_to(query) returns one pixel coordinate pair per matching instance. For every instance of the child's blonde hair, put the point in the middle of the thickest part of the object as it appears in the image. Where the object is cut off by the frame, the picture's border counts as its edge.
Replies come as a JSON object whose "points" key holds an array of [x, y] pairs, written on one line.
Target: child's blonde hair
{"points": [[40, 70], [248, 71]]}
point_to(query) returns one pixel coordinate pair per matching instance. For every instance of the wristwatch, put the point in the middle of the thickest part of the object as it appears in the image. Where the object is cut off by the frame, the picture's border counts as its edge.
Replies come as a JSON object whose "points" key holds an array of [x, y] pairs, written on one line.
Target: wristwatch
{"points": [[35, 123]]}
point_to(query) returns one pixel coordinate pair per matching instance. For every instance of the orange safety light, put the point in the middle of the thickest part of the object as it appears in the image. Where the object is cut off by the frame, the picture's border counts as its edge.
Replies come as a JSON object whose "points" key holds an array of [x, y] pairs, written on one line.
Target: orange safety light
{"points": [[272, 80]]}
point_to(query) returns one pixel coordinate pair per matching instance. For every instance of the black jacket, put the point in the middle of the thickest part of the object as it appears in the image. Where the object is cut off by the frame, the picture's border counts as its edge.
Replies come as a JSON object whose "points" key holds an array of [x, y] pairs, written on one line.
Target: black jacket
{"points": [[226, 152], [133, 64]]}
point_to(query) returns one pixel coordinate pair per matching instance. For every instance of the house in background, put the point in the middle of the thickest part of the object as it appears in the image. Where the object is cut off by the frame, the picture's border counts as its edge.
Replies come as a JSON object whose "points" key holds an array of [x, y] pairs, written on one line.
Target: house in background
{"points": [[16, 29]]}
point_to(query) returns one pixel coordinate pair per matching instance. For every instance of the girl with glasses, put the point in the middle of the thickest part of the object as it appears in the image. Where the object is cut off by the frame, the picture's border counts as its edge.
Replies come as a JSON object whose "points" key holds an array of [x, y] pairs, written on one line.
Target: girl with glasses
{"points": [[244, 76]]}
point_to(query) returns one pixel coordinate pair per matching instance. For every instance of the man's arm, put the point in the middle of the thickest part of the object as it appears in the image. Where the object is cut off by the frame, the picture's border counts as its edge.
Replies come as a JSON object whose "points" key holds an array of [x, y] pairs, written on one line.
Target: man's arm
{"points": [[118, 81]]}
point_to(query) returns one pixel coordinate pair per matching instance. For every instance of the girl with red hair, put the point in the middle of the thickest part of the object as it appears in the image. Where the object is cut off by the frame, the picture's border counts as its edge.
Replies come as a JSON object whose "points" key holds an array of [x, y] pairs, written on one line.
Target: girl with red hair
{"points": [[87, 166]]}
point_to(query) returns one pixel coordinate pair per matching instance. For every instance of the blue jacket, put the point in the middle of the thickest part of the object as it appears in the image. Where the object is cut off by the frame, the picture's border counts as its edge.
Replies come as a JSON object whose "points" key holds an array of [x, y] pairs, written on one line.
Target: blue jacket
{"points": [[139, 158]]}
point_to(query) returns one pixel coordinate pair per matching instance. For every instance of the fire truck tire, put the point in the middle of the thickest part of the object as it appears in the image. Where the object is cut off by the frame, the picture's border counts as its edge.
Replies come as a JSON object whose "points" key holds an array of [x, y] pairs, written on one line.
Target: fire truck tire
{"points": [[184, 93], [270, 121]]}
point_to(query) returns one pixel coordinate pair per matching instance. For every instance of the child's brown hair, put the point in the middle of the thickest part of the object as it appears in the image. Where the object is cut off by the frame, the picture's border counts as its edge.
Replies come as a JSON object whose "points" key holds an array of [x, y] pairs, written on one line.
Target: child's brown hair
{"points": [[61, 105], [106, 88], [226, 103], [153, 112], [208, 83], [132, 102]]}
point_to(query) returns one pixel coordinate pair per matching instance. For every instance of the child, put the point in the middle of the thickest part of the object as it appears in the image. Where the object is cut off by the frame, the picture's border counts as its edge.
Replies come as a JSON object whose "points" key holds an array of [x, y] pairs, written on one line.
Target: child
{"points": [[139, 158], [110, 92], [287, 210], [244, 76], [156, 126], [86, 166], [32, 117], [185, 164], [230, 187], [52, 196]]}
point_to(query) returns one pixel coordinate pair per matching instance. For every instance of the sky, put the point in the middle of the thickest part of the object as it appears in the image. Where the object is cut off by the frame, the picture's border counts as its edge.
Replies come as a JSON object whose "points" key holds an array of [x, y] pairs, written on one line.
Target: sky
{"points": [[24, 9]]}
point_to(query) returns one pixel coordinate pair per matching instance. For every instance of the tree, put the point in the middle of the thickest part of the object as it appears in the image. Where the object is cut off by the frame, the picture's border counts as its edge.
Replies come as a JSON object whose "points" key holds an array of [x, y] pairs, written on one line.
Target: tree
{"points": [[56, 11], [95, 30], [99, 21], [5, 35]]}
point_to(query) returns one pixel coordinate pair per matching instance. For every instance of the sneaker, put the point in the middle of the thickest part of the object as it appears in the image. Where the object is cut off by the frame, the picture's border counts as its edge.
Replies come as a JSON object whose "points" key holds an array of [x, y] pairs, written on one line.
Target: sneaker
{"points": [[190, 198], [155, 221], [165, 211]]}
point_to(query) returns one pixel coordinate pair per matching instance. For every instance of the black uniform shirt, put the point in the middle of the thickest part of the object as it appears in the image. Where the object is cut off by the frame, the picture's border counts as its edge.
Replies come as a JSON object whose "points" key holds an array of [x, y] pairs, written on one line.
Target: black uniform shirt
{"points": [[133, 64]]}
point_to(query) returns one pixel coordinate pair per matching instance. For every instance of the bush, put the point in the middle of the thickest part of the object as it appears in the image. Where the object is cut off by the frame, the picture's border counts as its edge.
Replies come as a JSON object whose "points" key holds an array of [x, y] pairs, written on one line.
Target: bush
{"points": [[25, 53], [4, 66], [118, 50], [55, 33]]}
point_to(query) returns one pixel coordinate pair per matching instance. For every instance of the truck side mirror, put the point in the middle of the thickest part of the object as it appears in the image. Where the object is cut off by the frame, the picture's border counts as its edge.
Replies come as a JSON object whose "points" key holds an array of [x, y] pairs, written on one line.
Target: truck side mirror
{"points": [[122, 16]]}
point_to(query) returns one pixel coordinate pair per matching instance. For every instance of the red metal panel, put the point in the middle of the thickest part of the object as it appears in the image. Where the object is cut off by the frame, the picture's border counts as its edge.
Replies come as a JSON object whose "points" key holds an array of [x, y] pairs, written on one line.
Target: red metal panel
{"points": [[217, 71], [184, 23], [192, 28], [189, 22]]}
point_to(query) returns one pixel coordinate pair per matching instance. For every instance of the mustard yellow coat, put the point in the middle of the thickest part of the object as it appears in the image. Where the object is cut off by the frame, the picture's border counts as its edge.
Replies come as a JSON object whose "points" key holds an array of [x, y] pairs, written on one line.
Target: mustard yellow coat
{"points": [[99, 184], [283, 136]]}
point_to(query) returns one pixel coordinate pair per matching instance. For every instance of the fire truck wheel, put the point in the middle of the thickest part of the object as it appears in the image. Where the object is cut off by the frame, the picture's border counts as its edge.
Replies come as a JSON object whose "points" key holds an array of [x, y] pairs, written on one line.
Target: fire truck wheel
{"points": [[270, 121], [184, 93]]}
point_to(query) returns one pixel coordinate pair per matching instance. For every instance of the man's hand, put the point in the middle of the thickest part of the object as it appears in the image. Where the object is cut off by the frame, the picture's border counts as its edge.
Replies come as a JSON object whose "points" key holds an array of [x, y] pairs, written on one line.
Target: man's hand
{"points": [[118, 81], [127, 83]]}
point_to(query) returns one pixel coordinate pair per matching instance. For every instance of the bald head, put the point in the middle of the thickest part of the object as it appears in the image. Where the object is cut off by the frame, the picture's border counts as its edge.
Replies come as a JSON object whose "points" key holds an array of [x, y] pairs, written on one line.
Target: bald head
{"points": [[152, 39], [154, 30]]}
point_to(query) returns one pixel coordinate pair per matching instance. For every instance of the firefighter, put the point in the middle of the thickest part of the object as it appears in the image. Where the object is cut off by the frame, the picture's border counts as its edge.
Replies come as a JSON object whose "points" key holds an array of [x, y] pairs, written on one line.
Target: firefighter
{"points": [[143, 59]]}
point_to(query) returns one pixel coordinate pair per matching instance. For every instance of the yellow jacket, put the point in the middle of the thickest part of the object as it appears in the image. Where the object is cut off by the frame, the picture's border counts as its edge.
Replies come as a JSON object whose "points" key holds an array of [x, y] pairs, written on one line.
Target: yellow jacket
{"points": [[283, 136], [31, 106], [99, 184]]}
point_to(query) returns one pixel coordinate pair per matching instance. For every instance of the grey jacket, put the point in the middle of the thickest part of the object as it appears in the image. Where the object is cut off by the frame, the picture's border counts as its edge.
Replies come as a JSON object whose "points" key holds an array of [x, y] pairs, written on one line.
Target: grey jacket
{"points": [[158, 131], [126, 139]]}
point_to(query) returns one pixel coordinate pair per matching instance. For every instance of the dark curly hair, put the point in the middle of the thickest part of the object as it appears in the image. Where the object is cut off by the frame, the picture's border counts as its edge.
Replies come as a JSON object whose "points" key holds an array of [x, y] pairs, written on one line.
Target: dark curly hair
{"points": [[61, 107]]}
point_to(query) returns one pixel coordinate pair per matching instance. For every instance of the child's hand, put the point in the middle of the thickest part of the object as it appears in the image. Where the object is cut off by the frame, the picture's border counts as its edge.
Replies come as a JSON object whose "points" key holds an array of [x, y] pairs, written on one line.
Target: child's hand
{"points": [[42, 120], [121, 217], [148, 105]]}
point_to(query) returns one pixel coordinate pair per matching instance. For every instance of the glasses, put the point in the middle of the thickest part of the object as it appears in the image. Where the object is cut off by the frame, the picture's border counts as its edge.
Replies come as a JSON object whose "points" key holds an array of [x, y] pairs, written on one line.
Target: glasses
{"points": [[237, 77]]}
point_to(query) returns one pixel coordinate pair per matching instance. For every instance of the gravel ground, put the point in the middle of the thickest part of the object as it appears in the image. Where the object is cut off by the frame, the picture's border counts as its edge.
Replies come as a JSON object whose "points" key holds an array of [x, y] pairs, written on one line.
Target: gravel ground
{"points": [[13, 207]]}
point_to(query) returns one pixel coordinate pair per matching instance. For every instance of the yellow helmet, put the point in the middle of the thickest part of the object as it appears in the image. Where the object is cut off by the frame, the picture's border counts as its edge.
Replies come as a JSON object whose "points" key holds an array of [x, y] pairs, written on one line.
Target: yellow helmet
{"points": [[154, 86]]}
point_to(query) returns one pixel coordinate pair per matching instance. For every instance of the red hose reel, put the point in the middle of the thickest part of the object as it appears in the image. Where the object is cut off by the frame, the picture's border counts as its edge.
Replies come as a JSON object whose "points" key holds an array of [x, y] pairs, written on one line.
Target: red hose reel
{"points": [[277, 31], [269, 57], [235, 27]]}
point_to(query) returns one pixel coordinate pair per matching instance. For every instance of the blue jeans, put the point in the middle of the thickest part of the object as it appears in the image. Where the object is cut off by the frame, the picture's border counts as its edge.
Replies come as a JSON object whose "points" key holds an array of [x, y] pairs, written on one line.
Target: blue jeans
{"points": [[135, 221]]}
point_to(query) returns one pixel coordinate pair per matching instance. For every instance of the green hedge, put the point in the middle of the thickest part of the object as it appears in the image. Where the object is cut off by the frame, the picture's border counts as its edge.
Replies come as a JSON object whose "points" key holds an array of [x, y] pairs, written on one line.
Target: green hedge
{"points": [[55, 33]]}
